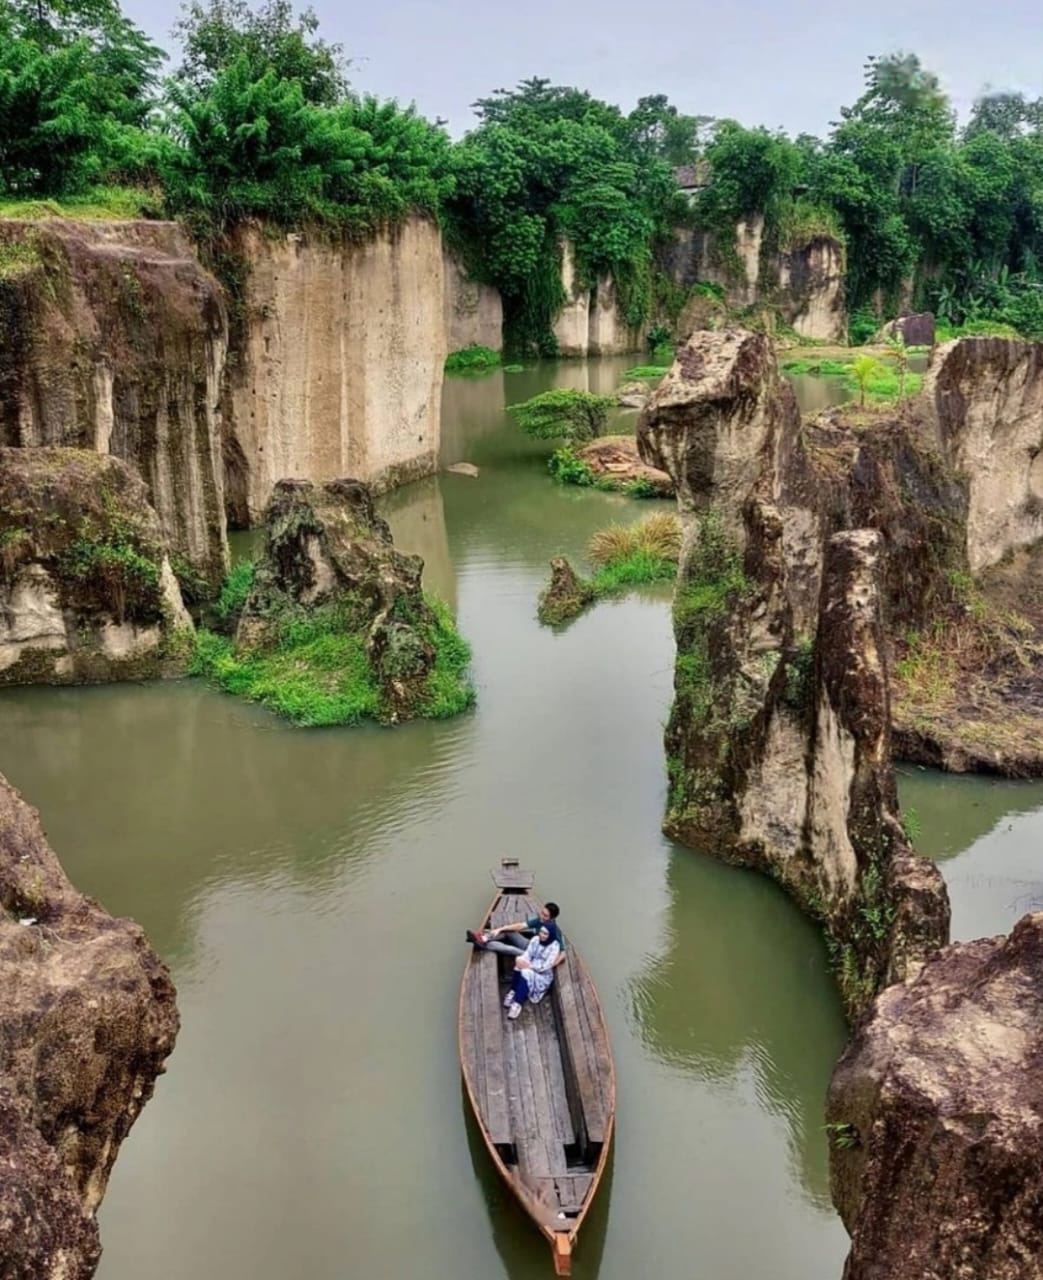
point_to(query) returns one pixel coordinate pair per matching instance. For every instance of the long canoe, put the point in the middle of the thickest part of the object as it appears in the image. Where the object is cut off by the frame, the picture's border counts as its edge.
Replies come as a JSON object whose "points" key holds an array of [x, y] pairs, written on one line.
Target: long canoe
{"points": [[542, 1087]]}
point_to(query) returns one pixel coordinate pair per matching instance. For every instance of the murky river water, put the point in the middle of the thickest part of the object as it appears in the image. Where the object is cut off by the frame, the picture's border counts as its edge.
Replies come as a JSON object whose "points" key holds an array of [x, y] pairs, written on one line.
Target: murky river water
{"points": [[309, 890]]}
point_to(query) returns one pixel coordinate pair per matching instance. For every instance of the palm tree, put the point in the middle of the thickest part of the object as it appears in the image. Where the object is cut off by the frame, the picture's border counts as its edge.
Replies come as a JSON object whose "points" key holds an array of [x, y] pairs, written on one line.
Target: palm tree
{"points": [[899, 353], [863, 369]]}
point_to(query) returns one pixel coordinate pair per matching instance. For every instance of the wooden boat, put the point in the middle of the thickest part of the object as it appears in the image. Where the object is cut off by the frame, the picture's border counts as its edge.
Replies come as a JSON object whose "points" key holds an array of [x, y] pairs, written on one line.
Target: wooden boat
{"points": [[542, 1087]]}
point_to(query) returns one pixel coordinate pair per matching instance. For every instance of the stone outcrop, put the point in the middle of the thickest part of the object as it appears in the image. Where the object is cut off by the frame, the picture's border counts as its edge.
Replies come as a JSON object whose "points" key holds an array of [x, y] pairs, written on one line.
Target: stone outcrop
{"points": [[809, 289], [86, 588], [327, 549], [590, 322], [985, 396], [803, 283], [339, 362], [473, 311], [915, 330], [87, 1019], [936, 1117], [565, 597], [113, 338], [779, 738], [616, 464]]}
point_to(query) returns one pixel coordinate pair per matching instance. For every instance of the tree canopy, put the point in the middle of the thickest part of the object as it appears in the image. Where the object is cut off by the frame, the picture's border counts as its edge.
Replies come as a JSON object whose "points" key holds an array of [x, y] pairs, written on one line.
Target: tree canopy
{"points": [[259, 119]]}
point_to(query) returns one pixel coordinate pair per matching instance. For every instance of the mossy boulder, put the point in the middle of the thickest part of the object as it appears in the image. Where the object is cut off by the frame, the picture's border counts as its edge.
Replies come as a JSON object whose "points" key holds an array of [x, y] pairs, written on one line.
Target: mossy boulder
{"points": [[336, 627], [86, 589]]}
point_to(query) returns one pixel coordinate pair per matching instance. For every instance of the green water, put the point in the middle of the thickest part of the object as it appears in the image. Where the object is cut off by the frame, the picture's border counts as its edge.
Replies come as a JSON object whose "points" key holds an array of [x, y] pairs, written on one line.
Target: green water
{"points": [[309, 890]]}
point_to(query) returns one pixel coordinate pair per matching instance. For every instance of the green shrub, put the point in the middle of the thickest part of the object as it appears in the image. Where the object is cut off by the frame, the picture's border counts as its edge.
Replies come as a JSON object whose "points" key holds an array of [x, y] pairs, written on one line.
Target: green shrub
{"points": [[472, 359], [563, 414], [566, 468], [234, 590], [647, 372]]}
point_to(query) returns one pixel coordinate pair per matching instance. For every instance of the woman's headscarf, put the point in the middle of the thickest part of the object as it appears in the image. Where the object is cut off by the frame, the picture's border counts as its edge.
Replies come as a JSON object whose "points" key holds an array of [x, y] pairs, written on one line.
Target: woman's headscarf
{"points": [[552, 928]]}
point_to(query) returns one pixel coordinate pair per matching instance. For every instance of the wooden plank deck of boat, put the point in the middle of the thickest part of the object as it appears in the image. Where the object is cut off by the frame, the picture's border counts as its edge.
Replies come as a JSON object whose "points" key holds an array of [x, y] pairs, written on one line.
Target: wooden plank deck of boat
{"points": [[542, 1086]]}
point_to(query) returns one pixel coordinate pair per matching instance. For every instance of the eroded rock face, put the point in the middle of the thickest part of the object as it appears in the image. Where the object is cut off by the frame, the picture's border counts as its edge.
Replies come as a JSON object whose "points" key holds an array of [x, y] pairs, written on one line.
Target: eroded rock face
{"points": [[805, 283], [779, 738], [87, 1018], [326, 547], [473, 311], [590, 322], [86, 589], [339, 362], [986, 398], [113, 338], [935, 1114]]}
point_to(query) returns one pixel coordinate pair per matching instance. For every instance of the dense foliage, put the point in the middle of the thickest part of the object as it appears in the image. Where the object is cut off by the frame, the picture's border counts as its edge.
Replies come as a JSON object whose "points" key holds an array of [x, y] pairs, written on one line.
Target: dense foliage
{"points": [[549, 164], [930, 215], [563, 414], [259, 120]]}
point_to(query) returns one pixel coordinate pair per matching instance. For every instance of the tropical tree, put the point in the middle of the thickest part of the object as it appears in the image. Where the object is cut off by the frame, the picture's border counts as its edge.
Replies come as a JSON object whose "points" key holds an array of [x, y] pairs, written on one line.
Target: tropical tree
{"points": [[563, 414]]}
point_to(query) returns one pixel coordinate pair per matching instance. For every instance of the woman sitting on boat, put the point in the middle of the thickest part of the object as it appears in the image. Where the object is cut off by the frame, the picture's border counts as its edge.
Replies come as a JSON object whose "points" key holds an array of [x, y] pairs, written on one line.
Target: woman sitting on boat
{"points": [[534, 971]]}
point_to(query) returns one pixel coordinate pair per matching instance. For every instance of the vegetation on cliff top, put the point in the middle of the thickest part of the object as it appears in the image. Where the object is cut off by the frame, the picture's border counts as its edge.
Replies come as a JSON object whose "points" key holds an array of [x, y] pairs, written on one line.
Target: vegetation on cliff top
{"points": [[259, 120]]}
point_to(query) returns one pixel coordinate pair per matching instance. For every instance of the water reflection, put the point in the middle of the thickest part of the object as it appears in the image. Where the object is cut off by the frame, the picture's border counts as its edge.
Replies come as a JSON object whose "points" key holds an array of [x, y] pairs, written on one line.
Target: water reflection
{"points": [[987, 832], [204, 790], [744, 998]]}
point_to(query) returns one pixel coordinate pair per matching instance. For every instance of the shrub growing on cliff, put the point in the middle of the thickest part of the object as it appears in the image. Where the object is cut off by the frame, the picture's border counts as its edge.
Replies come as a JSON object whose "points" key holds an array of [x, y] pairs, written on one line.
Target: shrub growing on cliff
{"points": [[563, 414]]}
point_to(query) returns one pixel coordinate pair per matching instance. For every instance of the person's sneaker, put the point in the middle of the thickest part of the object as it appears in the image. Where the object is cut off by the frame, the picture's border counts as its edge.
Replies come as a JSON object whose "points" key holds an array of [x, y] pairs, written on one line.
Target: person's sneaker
{"points": [[508, 999], [514, 1011], [476, 939]]}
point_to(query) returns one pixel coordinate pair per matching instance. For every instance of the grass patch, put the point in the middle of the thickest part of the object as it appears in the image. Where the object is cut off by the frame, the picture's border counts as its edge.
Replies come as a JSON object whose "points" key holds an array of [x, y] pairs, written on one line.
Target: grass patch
{"points": [[976, 329], [658, 537], [623, 556], [18, 258], [234, 590], [647, 372], [472, 359], [882, 381], [98, 204], [318, 671]]}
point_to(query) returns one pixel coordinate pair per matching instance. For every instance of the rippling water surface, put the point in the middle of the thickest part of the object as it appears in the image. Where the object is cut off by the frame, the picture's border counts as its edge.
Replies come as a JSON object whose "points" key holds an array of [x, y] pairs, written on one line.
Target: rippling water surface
{"points": [[309, 890]]}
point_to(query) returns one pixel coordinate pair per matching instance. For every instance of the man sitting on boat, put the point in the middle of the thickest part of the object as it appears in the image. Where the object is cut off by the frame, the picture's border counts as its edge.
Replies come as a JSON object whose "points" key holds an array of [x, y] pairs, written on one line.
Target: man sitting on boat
{"points": [[516, 941], [534, 971]]}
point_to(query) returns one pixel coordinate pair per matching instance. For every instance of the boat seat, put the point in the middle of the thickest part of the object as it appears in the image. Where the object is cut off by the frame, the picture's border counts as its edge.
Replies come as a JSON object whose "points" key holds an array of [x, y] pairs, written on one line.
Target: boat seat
{"points": [[495, 1106], [583, 1057]]}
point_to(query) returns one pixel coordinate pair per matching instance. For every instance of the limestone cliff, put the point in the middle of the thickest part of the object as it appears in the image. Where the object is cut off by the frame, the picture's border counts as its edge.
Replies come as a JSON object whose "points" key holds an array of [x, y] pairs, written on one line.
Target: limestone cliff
{"points": [[87, 1018], [86, 589], [590, 322], [986, 399], [803, 282], [338, 361], [473, 311], [112, 338], [779, 738], [935, 1117]]}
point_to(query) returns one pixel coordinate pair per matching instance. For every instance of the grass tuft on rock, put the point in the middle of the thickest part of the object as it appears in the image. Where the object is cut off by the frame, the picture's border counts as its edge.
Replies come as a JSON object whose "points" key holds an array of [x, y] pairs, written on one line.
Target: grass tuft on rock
{"points": [[623, 556]]}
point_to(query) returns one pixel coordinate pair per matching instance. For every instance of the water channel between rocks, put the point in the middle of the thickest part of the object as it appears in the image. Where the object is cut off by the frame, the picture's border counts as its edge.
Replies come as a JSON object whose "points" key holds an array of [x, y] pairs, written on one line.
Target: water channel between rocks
{"points": [[309, 890]]}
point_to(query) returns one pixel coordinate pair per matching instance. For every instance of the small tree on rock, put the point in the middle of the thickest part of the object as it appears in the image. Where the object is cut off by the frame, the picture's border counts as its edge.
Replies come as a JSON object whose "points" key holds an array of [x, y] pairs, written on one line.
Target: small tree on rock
{"points": [[563, 414]]}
